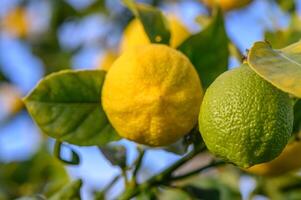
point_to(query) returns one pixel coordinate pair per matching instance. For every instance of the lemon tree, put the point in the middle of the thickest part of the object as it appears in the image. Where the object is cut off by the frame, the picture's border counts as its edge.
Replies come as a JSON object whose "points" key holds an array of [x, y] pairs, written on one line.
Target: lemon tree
{"points": [[170, 89]]}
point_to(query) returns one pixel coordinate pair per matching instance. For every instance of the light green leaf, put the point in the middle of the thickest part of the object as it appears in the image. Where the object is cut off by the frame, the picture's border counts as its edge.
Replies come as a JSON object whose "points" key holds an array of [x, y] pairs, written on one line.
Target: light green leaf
{"points": [[67, 106], [70, 192], [153, 21], [208, 50], [282, 67]]}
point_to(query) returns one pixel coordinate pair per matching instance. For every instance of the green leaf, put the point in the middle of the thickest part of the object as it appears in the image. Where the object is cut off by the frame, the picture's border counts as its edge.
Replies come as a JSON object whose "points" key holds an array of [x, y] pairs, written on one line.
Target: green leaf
{"points": [[287, 5], [283, 37], [282, 67], [70, 192], [208, 50], [174, 194], [154, 22], [75, 160], [67, 106], [297, 117], [2, 77], [38, 197], [115, 154], [40, 174], [226, 189], [200, 193]]}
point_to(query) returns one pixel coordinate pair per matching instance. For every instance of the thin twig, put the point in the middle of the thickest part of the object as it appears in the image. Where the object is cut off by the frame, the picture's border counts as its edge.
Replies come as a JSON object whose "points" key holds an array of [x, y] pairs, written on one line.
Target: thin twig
{"points": [[196, 171], [138, 163], [161, 178]]}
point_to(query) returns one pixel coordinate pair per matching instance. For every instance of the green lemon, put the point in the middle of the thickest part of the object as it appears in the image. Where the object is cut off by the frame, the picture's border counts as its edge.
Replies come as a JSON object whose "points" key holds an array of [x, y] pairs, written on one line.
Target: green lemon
{"points": [[244, 119]]}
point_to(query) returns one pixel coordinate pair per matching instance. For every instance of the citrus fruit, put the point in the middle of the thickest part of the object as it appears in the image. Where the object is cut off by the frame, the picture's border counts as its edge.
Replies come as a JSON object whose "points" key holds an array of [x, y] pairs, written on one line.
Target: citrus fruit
{"points": [[107, 60], [134, 34], [244, 119], [227, 5], [10, 99], [288, 160], [16, 22], [152, 95]]}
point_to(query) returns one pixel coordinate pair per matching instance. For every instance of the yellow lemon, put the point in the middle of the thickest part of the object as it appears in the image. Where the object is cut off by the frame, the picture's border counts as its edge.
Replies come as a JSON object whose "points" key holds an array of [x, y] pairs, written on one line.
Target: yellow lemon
{"points": [[288, 160], [10, 99], [227, 5], [152, 95], [134, 34], [107, 60], [16, 22]]}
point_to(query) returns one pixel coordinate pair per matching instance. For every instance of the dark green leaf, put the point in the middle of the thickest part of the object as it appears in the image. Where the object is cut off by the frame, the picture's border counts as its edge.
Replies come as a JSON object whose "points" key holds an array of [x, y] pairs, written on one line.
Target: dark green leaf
{"points": [[115, 154], [208, 50], [67, 106], [2, 77], [75, 160], [148, 194], [297, 117], [70, 192], [153, 21], [287, 5], [200, 193], [226, 182]]}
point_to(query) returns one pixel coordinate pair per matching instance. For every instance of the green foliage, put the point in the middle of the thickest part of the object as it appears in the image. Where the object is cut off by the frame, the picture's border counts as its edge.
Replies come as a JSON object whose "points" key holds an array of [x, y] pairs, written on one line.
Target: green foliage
{"points": [[282, 37], [297, 117], [66, 105], [70, 191], [221, 187], [75, 160], [200, 193], [153, 21], [283, 187], [208, 50], [42, 174], [287, 5], [279, 67]]}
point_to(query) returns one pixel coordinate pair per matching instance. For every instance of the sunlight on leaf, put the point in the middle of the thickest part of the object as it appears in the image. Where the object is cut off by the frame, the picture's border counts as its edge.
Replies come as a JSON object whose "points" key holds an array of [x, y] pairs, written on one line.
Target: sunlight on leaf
{"points": [[282, 67], [153, 21]]}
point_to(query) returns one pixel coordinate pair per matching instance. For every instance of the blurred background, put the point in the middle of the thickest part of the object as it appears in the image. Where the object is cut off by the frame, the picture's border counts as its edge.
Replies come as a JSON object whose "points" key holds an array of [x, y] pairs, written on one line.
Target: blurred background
{"points": [[38, 37]]}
